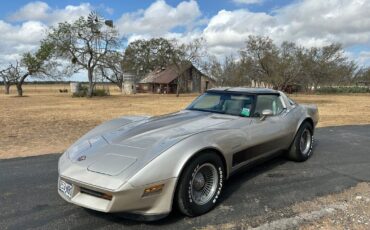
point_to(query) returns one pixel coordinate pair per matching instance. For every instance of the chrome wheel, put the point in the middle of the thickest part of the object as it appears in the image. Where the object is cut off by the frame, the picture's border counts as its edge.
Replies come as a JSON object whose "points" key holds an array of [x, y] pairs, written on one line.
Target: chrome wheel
{"points": [[305, 142], [204, 183]]}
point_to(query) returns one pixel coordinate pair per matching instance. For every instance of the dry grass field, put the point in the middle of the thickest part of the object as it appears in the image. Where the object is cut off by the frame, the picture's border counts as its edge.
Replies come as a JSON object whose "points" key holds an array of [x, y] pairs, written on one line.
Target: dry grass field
{"points": [[46, 121]]}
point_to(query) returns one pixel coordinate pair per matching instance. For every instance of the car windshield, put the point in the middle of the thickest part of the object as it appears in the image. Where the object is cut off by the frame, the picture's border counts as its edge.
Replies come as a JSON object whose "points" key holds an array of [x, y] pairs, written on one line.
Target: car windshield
{"points": [[225, 103]]}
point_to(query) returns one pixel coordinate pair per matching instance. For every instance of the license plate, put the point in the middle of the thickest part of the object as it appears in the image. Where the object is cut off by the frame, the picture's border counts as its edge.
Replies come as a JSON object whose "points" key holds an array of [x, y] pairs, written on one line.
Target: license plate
{"points": [[66, 188]]}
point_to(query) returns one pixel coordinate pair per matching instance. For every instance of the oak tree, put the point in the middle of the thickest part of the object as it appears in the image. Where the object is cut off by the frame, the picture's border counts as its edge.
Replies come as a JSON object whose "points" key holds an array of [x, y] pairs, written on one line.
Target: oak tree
{"points": [[85, 43]]}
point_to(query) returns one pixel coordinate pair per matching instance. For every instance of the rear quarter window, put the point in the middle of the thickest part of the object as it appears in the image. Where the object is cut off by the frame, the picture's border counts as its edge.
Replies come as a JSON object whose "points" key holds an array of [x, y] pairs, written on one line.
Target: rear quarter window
{"points": [[291, 101]]}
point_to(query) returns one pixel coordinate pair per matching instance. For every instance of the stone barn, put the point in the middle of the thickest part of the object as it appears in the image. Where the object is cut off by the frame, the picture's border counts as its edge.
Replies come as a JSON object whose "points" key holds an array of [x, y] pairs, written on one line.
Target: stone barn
{"points": [[166, 80]]}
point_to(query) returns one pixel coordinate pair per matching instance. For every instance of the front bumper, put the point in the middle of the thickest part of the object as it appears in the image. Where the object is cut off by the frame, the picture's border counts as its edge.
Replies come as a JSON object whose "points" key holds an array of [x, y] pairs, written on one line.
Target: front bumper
{"points": [[129, 199]]}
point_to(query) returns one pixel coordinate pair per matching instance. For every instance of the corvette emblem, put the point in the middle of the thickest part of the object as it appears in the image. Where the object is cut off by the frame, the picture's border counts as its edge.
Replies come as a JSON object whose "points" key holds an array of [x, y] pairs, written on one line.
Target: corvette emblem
{"points": [[81, 158]]}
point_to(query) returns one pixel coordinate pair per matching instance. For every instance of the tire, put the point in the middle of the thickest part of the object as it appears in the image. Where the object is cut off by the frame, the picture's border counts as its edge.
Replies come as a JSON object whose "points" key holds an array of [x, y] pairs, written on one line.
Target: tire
{"points": [[204, 172], [298, 152]]}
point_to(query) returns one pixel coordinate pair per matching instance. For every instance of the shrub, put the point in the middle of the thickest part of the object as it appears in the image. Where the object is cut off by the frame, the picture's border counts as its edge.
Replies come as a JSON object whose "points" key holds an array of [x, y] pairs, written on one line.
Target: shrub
{"points": [[100, 92], [82, 92]]}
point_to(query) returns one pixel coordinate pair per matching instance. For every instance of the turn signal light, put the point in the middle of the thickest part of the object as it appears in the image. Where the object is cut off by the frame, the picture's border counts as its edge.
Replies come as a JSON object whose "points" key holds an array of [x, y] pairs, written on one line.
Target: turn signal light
{"points": [[153, 189]]}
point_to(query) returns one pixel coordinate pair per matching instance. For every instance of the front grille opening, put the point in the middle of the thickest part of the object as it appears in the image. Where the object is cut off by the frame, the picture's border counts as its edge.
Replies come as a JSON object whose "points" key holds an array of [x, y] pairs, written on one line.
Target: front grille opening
{"points": [[96, 193]]}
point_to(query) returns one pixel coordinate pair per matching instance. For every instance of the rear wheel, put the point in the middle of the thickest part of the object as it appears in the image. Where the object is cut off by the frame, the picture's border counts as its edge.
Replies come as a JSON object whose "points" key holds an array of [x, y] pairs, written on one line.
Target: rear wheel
{"points": [[301, 148], [200, 184]]}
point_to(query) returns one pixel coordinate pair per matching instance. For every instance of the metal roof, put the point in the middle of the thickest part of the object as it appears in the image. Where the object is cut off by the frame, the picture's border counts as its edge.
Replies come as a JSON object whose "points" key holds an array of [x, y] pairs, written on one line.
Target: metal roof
{"points": [[169, 74], [164, 76]]}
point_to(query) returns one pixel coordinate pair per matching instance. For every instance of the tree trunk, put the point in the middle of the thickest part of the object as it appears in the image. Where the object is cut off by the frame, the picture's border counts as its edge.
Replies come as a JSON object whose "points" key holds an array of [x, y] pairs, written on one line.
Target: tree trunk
{"points": [[315, 86], [178, 86], [91, 84], [120, 86], [20, 83], [177, 90], [7, 88], [19, 89]]}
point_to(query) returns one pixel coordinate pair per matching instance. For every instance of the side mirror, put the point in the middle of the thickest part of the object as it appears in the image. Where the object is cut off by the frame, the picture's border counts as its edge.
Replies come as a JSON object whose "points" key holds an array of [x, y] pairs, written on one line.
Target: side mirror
{"points": [[266, 113]]}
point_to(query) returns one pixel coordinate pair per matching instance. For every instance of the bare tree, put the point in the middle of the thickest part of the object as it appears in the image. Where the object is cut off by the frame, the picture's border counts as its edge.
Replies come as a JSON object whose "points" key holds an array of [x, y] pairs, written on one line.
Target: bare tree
{"points": [[362, 76], [262, 56], [183, 54], [288, 66], [213, 68], [7, 80], [228, 72], [194, 51], [111, 68], [269, 63], [327, 65]]}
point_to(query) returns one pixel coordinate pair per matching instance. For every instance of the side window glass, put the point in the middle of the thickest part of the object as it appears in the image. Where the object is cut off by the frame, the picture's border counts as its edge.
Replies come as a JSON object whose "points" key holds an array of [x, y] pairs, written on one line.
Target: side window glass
{"points": [[278, 106], [271, 102], [209, 101], [291, 102]]}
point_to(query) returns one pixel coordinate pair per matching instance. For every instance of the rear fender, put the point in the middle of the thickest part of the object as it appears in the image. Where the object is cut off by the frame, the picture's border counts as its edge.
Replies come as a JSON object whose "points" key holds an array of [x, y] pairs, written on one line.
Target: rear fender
{"points": [[310, 113]]}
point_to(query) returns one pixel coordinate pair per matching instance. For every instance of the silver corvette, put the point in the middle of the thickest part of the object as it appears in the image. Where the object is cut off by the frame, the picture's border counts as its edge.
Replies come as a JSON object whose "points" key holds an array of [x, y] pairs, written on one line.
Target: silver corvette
{"points": [[144, 166]]}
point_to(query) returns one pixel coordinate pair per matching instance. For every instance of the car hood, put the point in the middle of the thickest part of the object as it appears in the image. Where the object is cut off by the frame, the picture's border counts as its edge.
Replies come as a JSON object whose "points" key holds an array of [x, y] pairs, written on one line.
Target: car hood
{"points": [[127, 144]]}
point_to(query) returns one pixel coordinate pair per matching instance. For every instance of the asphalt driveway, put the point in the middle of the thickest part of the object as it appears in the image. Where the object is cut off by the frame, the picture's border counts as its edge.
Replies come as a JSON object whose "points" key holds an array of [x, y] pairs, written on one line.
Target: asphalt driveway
{"points": [[29, 199]]}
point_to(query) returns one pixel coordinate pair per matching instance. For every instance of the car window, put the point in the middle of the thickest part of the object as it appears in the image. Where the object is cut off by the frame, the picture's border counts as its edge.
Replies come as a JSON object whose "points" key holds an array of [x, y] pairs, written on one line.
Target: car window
{"points": [[208, 101], [291, 101], [271, 102], [226, 103]]}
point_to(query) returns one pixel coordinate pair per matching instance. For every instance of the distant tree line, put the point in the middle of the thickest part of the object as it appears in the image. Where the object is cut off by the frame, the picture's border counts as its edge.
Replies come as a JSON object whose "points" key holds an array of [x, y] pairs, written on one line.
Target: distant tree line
{"points": [[91, 45], [287, 65]]}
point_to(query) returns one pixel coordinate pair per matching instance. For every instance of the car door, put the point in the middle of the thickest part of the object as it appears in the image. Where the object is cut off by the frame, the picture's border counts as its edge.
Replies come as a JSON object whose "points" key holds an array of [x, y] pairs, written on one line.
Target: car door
{"points": [[265, 135]]}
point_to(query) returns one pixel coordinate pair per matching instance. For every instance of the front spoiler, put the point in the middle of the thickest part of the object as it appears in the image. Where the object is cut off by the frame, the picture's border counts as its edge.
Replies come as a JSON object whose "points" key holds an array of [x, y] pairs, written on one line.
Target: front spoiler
{"points": [[142, 217]]}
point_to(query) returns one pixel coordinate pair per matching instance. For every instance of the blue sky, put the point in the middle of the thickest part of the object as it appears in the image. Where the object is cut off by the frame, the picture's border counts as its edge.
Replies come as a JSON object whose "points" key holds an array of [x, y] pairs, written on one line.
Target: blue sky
{"points": [[224, 24]]}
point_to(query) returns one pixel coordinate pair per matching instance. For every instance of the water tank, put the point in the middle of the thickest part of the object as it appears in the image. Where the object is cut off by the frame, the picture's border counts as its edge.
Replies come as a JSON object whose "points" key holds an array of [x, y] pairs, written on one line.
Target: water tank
{"points": [[75, 87], [128, 87]]}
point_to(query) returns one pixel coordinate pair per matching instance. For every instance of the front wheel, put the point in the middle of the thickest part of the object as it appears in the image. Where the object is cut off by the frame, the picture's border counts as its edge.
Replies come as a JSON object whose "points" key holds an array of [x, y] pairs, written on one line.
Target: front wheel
{"points": [[301, 148], [200, 184]]}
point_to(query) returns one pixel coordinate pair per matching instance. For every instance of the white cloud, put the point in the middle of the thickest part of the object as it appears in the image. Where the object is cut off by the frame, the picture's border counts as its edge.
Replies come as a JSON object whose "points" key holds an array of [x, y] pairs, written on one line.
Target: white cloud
{"points": [[347, 22], [32, 21], [247, 1], [41, 11], [18, 39], [159, 18], [230, 29], [307, 22], [363, 58], [70, 13], [26, 33], [32, 11]]}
